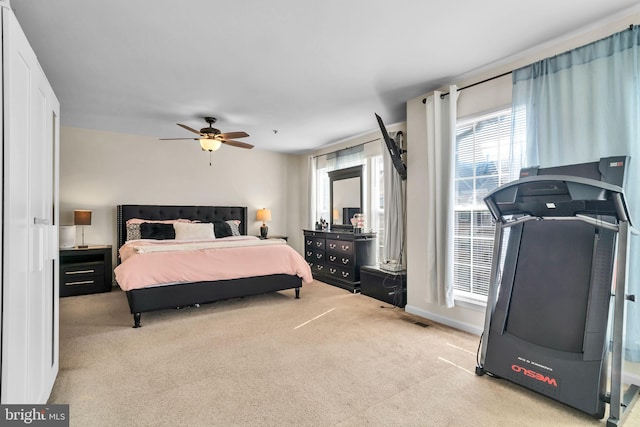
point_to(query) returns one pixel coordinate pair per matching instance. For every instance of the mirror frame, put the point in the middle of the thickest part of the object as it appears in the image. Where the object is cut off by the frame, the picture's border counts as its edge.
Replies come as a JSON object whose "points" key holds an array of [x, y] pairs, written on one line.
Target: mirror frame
{"points": [[337, 175]]}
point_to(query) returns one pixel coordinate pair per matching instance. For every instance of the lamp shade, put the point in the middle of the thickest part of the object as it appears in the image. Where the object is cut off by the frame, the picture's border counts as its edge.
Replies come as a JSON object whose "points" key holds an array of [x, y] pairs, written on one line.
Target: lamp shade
{"points": [[263, 215], [81, 217]]}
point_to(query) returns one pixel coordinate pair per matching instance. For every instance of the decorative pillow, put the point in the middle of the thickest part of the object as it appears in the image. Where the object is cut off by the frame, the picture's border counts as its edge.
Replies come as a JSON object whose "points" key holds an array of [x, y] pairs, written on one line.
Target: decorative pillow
{"points": [[133, 232], [235, 226], [157, 231], [222, 229], [194, 231]]}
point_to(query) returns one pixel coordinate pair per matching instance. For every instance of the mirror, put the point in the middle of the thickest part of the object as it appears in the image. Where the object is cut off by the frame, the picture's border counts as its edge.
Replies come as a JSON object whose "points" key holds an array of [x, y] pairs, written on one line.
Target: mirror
{"points": [[345, 189]]}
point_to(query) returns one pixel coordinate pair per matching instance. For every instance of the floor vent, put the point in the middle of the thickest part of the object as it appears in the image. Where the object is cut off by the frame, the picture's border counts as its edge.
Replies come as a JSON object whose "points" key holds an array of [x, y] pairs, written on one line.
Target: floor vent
{"points": [[415, 322], [424, 325]]}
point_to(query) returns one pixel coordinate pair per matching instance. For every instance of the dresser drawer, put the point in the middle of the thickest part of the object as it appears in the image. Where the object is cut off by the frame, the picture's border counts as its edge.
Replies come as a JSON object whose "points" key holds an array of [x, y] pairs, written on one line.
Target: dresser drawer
{"points": [[339, 236], [341, 259], [314, 255], [314, 242], [319, 268], [342, 273], [341, 246]]}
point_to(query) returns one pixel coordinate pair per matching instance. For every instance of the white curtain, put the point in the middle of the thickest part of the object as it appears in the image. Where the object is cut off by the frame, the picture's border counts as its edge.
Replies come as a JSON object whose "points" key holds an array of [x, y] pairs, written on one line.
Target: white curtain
{"points": [[441, 134], [311, 191], [583, 105], [393, 207]]}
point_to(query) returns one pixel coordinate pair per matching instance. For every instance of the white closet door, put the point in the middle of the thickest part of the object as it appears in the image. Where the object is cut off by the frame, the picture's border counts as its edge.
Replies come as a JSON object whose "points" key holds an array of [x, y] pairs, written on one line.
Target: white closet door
{"points": [[29, 318]]}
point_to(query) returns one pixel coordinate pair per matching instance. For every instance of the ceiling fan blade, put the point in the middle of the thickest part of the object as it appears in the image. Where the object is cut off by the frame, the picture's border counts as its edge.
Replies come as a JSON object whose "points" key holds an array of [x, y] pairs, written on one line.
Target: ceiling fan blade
{"points": [[232, 135], [237, 143], [175, 139], [189, 129]]}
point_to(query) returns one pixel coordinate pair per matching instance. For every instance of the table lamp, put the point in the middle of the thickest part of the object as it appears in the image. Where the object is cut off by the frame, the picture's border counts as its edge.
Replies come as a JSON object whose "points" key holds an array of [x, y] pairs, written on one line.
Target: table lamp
{"points": [[263, 215], [82, 217]]}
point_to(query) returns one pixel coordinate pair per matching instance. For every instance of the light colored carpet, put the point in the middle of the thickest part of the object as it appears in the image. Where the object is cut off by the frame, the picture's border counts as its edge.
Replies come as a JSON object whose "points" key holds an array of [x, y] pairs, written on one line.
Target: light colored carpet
{"points": [[269, 360]]}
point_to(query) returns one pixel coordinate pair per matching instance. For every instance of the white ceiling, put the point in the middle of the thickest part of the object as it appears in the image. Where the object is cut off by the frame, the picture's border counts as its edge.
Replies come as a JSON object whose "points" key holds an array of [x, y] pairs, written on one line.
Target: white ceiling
{"points": [[315, 71]]}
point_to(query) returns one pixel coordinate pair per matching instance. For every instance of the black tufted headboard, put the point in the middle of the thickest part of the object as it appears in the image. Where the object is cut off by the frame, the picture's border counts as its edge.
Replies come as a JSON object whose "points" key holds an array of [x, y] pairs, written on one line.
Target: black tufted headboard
{"points": [[159, 212]]}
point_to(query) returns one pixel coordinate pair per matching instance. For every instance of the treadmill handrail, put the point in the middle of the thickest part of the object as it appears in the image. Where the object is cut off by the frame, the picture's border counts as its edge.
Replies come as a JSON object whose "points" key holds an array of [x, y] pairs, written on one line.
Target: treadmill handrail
{"points": [[508, 223], [507, 194]]}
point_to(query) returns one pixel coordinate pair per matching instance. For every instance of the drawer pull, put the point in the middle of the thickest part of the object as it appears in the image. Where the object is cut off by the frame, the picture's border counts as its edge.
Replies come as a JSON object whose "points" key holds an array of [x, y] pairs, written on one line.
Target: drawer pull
{"points": [[345, 260], [309, 253], [80, 272], [345, 274], [318, 256], [318, 244], [345, 247], [332, 257], [320, 267], [82, 282], [332, 270], [332, 245], [309, 242]]}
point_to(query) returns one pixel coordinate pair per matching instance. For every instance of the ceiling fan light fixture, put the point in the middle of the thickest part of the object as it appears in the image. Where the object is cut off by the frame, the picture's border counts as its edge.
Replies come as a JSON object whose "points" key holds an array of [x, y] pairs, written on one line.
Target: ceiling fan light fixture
{"points": [[210, 144]]}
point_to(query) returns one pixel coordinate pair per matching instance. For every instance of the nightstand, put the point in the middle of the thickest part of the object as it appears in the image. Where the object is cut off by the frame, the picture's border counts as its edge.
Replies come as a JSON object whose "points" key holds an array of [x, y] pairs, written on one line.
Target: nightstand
{"points": [[85, 270]]}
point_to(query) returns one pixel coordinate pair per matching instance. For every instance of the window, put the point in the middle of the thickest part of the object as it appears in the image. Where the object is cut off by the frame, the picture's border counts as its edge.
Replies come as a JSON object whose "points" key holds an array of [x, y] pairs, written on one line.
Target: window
{"points": [[484, 160], [377, 201]]}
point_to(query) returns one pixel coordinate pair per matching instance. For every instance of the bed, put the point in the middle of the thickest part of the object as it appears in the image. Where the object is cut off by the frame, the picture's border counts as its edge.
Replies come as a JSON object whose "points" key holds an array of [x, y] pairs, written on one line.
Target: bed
{"points": [[144, 297]]}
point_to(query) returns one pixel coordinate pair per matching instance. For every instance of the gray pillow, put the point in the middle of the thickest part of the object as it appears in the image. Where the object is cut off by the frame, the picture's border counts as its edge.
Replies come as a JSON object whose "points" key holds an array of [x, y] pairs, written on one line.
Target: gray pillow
{"points": [[235, 227]]}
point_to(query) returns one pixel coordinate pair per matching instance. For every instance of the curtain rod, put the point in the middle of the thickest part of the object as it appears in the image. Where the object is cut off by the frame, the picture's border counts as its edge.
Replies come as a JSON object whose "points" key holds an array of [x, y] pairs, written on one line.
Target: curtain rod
{"points": [[346, 148], [424, 100]]}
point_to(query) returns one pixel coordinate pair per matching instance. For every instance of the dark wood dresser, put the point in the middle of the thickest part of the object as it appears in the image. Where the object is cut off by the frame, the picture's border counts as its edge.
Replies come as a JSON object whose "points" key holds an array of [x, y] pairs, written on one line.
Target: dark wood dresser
{"points": [[335, 257]]}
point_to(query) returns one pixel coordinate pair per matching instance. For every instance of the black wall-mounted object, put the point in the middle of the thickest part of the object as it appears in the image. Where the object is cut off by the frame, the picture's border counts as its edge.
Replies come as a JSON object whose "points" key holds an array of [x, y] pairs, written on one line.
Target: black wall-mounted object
{"points": [[394, 151]]}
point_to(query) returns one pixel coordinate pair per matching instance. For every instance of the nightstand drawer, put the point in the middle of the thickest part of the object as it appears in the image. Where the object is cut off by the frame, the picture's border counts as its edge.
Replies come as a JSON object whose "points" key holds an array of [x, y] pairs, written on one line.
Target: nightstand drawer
{"points": [[72, 274]]}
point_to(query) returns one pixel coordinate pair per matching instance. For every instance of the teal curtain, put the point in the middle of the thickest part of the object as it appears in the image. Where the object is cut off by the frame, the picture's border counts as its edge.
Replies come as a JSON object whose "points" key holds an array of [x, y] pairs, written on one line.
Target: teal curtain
{"points": [[583, 105]]}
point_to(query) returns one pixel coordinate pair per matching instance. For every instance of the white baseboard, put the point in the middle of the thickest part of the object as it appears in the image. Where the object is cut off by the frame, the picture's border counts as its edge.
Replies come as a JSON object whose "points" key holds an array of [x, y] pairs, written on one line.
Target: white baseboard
{"points": [[467, 327]]}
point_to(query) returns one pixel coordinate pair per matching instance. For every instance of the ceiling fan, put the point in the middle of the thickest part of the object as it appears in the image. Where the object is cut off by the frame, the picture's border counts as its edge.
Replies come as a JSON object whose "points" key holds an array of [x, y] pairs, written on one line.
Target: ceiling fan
{"points": [[212, 139]]}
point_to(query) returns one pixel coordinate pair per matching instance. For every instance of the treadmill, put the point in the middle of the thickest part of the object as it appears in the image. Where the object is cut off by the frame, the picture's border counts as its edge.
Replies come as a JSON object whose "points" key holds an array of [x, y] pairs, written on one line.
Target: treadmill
{"points": [[555, 316]]}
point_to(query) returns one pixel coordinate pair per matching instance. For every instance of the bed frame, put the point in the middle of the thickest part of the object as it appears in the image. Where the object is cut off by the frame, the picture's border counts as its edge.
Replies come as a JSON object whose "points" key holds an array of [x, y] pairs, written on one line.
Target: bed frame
{"points": [[186, 294]]}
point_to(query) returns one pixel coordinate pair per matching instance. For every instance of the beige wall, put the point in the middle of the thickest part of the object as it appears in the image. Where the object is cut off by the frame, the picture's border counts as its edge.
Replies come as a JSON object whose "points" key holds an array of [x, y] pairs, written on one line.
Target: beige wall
{"points": [[99, 170], [478, 99]]}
